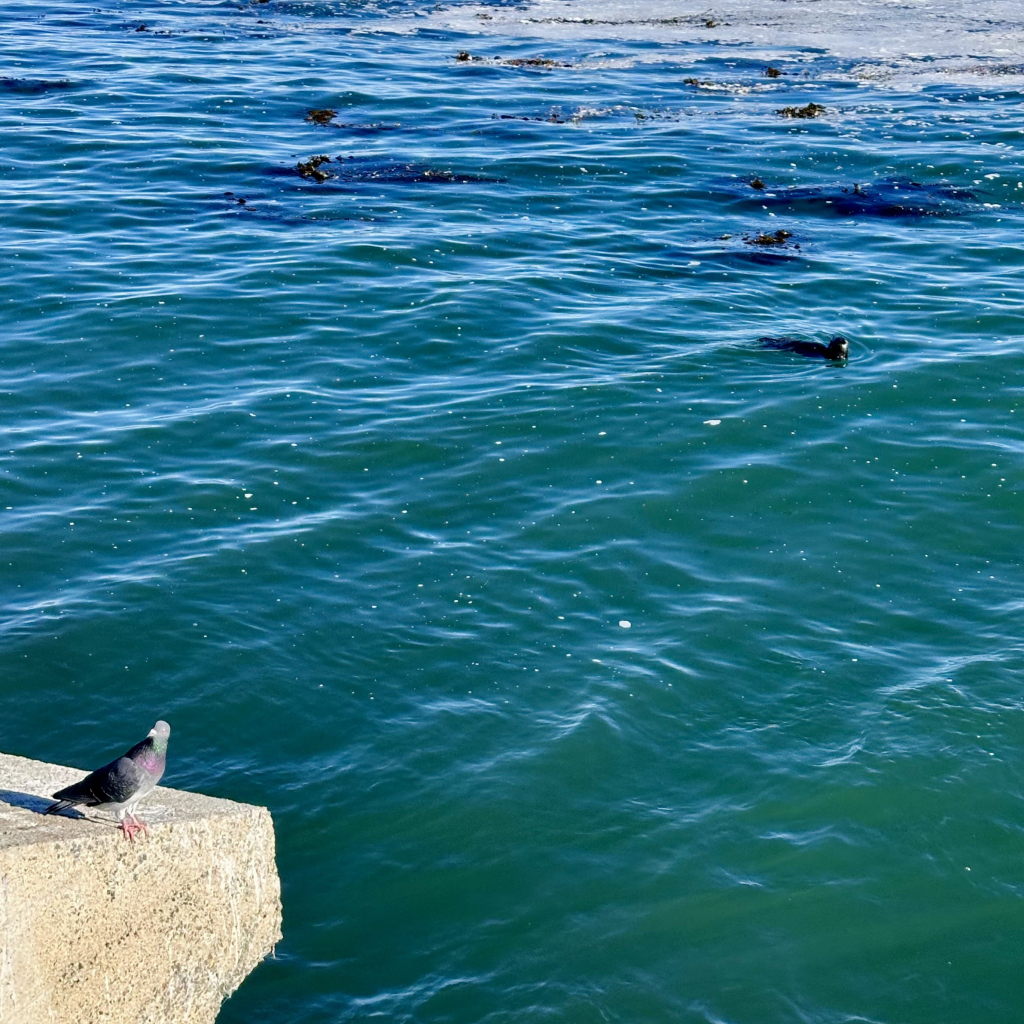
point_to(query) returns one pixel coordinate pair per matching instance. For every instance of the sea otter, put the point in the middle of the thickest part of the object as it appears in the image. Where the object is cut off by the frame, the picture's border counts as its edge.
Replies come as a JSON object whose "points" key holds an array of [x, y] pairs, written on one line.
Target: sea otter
{"points": [[837, 348]]}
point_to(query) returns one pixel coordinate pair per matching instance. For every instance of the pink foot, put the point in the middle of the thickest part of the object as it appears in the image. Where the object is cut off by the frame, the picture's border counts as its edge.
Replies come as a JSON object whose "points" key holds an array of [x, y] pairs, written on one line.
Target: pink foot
{"points": [[131, 828]]}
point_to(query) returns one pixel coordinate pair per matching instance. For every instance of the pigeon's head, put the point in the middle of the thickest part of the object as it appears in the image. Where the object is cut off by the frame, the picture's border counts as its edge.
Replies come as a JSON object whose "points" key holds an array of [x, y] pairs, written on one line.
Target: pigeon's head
{"points": [[159, 734], [838, 348]]}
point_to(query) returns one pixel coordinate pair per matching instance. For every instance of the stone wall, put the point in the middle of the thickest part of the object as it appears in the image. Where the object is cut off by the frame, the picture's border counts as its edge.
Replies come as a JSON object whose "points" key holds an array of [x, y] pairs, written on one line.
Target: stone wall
{"points": [[96, 930]]}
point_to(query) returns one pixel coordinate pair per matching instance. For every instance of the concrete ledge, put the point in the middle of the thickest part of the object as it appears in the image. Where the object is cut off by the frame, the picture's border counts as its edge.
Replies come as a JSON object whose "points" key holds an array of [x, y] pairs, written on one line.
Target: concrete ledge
{"points": [[94, 930]]}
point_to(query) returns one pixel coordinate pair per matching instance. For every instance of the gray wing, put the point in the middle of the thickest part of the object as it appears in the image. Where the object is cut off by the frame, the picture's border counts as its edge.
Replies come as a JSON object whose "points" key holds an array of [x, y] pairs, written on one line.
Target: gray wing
{"points": [[114, 783]]}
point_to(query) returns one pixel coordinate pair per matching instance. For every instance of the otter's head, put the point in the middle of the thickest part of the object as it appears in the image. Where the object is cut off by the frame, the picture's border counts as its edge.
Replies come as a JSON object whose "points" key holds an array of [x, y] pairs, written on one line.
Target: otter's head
{"points": [[838, 348]]}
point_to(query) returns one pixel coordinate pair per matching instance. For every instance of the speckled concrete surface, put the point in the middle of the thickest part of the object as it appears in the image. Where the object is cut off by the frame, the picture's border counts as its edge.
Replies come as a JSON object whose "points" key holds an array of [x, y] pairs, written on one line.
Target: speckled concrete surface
{"points": [[95, 929]]}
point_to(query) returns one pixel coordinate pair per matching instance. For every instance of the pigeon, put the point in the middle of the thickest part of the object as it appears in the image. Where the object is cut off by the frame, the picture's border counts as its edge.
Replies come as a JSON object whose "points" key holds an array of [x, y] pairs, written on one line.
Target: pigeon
{"points": [[119, 786], [837, 348]]}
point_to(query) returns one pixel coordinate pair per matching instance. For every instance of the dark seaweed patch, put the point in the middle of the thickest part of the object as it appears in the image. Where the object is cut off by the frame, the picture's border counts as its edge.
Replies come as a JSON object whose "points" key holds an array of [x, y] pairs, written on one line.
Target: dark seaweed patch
{"points": [[533, 62], [34, 85], [322, 115], [894, 197], [889, 197], [465, 57], [553, 118], [771, 72], [686, 19], [556, 115], [409, 174], [811, 110], [262, 208], [325, 116], [352, 169], [311, 168], [776, 239]]}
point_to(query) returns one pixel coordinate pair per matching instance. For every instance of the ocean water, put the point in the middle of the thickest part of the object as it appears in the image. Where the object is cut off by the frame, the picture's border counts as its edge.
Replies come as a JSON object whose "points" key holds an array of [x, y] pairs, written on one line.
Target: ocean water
{"points": [[595, 663]]}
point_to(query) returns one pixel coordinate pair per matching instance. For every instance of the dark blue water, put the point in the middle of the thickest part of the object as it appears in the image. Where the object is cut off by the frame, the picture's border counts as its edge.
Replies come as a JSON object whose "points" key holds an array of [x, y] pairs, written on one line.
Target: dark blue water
{"points": [[596, 664]]}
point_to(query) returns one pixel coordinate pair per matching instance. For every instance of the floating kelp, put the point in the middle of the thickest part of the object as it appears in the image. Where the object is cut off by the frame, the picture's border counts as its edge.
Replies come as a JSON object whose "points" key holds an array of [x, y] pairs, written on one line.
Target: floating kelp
{"points": [[775, 239], [323, 115], [355, 169], [406, 174], [811, 110], [34, 85], [757, 184], [772, 72], [737, 88], [552, 118], [683, 19], [311, 168], [558, 116], [465, 57], [532, 62]]}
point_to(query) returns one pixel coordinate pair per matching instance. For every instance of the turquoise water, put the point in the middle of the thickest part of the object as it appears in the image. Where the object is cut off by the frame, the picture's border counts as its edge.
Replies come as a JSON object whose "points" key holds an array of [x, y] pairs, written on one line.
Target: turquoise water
{"points": [[357, 484]]}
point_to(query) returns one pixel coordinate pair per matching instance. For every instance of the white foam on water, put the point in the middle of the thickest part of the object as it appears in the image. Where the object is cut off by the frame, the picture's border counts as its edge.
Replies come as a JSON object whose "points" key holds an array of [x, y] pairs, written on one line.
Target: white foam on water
{"points": [[874, 29]]}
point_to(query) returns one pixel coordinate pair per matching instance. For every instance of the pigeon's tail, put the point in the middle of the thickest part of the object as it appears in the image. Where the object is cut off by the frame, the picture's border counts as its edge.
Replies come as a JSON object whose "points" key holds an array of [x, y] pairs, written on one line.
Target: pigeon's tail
{"points": [[60, 805]]}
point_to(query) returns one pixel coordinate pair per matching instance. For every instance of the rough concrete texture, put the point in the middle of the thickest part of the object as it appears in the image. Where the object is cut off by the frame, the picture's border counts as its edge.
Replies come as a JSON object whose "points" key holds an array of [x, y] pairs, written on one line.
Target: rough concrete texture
{"points": [[95, 930]]}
